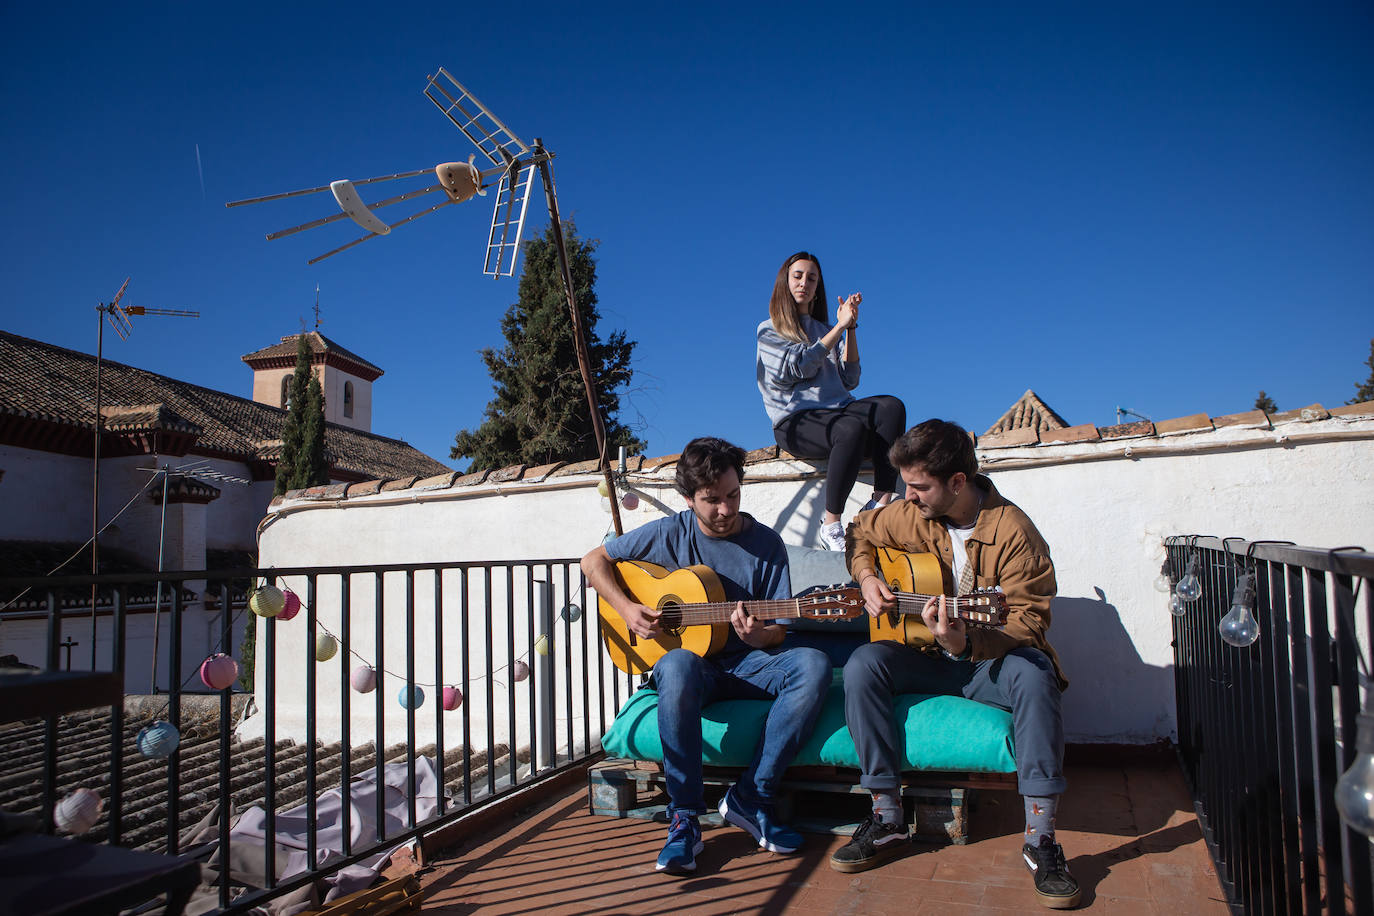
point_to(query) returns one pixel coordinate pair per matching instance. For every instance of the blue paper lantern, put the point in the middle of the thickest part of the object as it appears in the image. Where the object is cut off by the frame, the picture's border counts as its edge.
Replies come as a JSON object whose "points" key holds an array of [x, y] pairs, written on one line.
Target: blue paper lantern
{"points": [[411, 697], [158, 740], [572, 613]]}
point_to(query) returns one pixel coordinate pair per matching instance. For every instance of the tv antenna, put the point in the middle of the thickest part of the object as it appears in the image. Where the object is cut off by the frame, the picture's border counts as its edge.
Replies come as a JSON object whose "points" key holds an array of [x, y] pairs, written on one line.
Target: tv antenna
{"points": [[118, 316], [197, 470], [512, 165], [1126, 411]]}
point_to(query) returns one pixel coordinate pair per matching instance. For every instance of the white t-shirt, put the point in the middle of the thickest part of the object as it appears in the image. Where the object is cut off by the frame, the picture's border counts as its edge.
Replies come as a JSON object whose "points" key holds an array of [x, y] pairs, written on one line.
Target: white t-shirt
{"points": [[958, 542]]}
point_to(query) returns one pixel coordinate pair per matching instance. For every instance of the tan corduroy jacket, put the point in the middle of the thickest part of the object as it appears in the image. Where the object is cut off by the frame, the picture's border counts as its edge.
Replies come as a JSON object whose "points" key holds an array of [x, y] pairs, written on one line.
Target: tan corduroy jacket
{"points": [[1005, 549]]}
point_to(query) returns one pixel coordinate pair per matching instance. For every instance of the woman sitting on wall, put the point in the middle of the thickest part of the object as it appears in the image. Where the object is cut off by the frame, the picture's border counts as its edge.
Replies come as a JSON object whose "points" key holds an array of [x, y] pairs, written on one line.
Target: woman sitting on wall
{"points": [[806, 369]]}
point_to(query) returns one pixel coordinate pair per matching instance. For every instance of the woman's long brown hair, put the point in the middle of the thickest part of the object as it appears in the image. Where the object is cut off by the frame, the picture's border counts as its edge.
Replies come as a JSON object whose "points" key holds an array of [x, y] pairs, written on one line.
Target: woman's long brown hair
{"points": [[782, 308]]}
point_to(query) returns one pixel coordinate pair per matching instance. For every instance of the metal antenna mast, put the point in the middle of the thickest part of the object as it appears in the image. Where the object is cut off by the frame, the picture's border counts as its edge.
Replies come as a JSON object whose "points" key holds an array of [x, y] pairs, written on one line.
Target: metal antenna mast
{"points": [[118, 317], [197, 470], [512, 166]]}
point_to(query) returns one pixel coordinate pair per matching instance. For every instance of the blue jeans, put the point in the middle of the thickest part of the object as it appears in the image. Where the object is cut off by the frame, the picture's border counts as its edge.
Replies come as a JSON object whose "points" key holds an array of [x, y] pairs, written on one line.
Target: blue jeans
{"points": [[1022, 681], [795, 679]]}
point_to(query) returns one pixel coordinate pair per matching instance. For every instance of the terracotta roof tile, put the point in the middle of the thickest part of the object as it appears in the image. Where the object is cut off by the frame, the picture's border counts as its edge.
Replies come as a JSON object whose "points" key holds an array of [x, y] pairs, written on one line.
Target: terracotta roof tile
{"points": [[579, 467], [468, 480], [321, 347], [366, 488], [1085, 432], [51, 383], [400, 483], [1362, 409], [1310, 412], [767, 453], [652, 463], [1127, 430], [1187, 424], [1028, 411], [1252, 418], [437, 482], [505, 475], [1026, 435], [536, 474]]}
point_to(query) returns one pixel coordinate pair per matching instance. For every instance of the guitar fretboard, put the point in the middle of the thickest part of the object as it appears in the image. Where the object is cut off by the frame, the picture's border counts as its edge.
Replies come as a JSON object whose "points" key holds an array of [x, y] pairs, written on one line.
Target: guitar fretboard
{"points": [[720, 611], [968, 608]]}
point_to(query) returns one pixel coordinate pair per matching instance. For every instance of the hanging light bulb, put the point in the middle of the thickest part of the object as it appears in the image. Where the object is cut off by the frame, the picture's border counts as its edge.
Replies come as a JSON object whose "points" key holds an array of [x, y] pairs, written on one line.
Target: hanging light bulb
{"points": [[1163, 583], [1239, 627], [1355, 788], [1189, 588], [1177, 606]]}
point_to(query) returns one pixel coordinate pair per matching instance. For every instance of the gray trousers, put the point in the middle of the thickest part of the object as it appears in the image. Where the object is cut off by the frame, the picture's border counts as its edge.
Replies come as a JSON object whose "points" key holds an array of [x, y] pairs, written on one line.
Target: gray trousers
{"points": [[1021, 682]]}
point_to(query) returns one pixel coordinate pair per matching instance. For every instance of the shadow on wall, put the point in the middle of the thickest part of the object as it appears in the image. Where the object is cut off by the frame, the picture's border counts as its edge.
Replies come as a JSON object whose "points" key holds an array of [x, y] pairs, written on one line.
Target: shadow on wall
{"points": [[1113, 694]]}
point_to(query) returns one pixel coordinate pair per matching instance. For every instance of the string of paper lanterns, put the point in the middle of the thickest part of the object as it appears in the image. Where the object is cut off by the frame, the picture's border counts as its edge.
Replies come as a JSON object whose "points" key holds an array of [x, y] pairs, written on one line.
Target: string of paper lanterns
{"points": [[219, 671], [79, 811]]}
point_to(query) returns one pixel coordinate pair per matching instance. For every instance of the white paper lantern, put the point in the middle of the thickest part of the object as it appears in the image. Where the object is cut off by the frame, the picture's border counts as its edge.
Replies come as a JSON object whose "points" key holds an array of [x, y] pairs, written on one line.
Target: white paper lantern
{"points": [[79, 811]]}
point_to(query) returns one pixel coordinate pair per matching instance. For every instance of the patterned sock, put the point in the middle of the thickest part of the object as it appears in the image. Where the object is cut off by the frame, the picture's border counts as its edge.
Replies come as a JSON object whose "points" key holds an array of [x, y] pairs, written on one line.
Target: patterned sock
{"points": [[1039, 816], [888, 807]]}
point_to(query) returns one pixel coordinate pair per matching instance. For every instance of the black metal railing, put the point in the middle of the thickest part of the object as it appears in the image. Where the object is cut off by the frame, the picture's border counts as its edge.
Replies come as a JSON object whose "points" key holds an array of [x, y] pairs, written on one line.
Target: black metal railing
{"points": [[1265, 730], [516, 641]]}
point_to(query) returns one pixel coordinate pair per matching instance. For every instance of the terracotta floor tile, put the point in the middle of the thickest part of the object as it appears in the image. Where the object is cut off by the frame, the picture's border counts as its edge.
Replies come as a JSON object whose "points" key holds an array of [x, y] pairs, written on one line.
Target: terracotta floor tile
{"points": [[1130, 836]]}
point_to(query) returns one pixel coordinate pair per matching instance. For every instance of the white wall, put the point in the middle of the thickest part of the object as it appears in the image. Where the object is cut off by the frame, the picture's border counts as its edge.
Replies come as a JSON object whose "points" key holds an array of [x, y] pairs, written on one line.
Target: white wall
{"points": [[1103, 513], [44, 497]]}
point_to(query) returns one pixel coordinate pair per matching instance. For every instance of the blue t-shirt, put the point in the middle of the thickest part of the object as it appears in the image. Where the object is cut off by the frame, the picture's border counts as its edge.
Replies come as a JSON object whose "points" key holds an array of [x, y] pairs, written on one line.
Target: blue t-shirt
{"points": [[751, 564]]}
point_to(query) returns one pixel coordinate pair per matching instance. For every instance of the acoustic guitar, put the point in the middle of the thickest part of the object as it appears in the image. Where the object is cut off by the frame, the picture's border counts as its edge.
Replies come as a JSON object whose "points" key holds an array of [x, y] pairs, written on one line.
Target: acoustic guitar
{"points": [[913, 579], [695, 615]]}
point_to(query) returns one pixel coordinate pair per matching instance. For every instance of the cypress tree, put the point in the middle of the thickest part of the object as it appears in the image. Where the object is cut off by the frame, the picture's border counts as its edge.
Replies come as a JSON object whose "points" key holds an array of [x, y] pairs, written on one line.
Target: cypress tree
{"points": [[302, 461], [1265, 403]]}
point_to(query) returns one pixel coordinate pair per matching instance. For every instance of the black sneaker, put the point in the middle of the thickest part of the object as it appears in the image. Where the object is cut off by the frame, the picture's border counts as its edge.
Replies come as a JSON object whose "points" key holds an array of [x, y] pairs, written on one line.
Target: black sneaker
{"points": [[873, 843], [1055, 887]]}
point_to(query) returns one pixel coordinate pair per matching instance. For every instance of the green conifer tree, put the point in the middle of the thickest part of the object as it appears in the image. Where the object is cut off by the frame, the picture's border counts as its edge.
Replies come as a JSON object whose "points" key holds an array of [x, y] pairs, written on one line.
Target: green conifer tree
{"points": [[539, 414], [311, 467], [1265, 403], [1365, 391], [302, 461]]}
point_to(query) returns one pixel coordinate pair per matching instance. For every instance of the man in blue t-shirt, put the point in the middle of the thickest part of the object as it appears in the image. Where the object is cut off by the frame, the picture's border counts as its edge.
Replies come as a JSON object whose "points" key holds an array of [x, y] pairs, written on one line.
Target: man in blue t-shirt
{"points": [[751, 562]]}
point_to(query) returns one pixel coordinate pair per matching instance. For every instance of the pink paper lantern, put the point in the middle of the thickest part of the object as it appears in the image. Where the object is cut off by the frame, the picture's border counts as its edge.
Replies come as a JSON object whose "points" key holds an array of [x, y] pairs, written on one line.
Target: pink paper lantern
{"points": [[291, 605], [630, 500], [219, 671], [453, 698], [519, 671], [364, 679]]}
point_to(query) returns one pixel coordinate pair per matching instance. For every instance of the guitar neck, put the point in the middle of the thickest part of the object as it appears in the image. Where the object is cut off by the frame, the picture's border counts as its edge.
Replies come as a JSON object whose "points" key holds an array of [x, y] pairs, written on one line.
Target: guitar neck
{"points": [[914, 603], [720, 611]]}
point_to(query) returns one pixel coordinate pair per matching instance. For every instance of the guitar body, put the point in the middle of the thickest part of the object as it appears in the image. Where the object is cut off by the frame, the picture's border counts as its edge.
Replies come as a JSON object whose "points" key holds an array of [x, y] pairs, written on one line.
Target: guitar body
{"points": [[652, 585], [912, 573]]}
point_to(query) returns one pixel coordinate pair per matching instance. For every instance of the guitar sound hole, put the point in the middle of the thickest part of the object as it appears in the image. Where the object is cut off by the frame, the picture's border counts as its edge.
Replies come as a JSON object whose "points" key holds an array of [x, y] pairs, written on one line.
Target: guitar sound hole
{"points": [[894, 616], [670, 619]]}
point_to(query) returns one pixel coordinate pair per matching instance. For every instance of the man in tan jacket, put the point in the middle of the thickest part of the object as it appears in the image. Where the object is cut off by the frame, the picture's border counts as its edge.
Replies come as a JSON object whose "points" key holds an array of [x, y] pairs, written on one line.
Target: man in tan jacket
{"points": [[980, 540]]}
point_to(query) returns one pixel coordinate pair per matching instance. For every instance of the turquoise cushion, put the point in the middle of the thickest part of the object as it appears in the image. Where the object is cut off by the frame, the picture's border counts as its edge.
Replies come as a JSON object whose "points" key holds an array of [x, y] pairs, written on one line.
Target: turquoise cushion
{"points": [[942, 733]]}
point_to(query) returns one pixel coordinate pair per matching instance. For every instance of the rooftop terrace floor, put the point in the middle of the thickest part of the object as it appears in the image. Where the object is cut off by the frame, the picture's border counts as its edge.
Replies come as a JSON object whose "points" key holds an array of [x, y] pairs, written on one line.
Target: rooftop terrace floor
{"points": [[1129, 832]]}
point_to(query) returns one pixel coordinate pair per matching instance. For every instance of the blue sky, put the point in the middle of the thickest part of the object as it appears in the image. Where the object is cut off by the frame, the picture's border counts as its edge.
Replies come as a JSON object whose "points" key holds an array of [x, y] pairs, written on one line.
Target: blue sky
{"points": [[1161, 206]]}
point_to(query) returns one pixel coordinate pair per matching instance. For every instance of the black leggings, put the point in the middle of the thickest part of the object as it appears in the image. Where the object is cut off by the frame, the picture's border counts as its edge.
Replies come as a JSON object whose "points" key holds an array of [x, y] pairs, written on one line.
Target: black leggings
{"points": [[865, 428]]}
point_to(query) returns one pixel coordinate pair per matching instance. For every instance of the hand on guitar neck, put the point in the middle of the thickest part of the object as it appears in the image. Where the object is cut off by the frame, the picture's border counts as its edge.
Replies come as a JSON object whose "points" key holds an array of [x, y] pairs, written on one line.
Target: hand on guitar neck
{"points": [[947, 629]]}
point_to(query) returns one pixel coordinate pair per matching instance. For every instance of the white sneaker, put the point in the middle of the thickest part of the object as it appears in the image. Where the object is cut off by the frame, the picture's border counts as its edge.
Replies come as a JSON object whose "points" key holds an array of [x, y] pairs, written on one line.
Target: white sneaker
{"points": [[832, 536]]}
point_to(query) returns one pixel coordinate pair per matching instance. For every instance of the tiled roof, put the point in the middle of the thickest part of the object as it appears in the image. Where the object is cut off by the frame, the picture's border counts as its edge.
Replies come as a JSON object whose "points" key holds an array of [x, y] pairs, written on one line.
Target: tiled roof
{"points": [[43, 382], [83, 746], [1029, 412], [322, 349]]}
